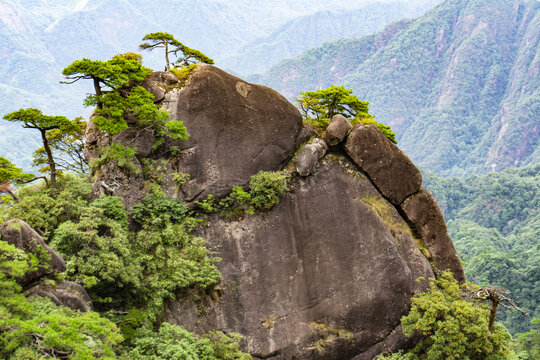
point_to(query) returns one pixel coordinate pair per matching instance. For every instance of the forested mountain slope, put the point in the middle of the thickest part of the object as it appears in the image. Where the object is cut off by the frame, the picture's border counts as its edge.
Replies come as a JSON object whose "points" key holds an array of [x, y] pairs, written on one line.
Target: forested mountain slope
{"points": [[494, 221], [459, 85], [302, 33]]}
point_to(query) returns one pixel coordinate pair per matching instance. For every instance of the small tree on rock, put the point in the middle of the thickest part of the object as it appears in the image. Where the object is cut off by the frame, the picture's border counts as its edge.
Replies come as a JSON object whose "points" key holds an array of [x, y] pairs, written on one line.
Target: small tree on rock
{"points": [[172, 46], [161, 40], [318, 107], [192, 56]]}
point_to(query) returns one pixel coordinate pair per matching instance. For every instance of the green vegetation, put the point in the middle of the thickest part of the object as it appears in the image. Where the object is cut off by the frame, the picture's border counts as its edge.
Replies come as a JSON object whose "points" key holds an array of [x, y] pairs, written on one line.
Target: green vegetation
{"points": [[34, 119], [318, 107], [494, 220], [172, 46], [327, 335], [173, 342], [265, 191], [11, 175], [129, 273], [35, 327], [453, 323]]}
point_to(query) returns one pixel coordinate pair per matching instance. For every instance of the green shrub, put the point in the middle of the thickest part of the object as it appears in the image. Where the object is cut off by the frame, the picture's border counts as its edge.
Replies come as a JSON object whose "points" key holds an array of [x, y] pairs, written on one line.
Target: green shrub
{"points": [[121, 155], [29, 326], [267, 187], [45, 209], [453, 327], [174, 342], [385, 129]]}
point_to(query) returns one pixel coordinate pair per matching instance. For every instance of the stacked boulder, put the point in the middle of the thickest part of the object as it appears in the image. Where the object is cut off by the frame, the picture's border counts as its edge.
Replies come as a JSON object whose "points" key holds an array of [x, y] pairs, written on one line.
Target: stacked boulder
{"points": [[67, 293], [396, 178]]}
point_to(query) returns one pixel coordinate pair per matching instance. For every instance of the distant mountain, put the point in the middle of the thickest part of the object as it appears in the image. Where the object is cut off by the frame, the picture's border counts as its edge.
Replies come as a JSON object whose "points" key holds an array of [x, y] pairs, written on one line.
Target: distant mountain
{"points": [[302, 33], [460, 85], [38, 39]]}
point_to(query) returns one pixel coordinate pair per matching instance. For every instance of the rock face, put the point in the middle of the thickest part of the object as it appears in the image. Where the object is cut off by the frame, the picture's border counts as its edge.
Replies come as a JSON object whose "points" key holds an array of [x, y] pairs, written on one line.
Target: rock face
{"points": [[236, 129], [322, 256], [422, 210], [386, 165], [22, 236]]}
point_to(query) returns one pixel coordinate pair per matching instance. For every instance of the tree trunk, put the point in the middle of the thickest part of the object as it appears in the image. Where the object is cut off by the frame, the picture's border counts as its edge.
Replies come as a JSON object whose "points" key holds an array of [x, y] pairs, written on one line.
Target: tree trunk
{"points": [[97, 88], [494, 304], [50, 158], [167, 56]]}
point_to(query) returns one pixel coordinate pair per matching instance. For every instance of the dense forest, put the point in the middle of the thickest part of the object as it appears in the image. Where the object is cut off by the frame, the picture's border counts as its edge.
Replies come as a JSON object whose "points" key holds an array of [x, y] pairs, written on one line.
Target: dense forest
{"points": [[494, 221]]}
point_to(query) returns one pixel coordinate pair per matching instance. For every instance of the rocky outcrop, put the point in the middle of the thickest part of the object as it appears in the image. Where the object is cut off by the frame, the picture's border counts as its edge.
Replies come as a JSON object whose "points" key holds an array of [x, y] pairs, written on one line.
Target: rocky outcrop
{"points": [[66, 293], [322, 256], [422, 211], [19, 234], [236, 129], [323, 275], [387, 166]]}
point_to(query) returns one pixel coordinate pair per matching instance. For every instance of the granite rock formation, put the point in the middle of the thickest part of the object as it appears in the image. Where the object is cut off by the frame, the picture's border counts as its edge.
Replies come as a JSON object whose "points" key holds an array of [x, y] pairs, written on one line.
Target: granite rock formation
{"points": [[324, 274]]}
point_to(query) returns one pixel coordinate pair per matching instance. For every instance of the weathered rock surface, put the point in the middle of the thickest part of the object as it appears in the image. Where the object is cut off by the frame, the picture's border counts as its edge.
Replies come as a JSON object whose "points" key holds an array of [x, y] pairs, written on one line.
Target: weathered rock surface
{"points": [[337, 130], [309, 156], [157, 83], [66, 293], [321, 256], [236, 129], [22, 236], [392, 172], [423, 212]]}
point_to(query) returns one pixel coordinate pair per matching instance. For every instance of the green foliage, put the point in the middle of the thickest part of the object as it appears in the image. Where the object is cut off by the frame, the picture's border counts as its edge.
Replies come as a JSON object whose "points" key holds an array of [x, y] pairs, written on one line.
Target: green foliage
{"points": [[35, 119], [453, 327], [385, 129], [318, 107], [527, 345], [114, 74], [67, 147], [494, 221], [29, 327], [11, 175], [267, 187], [265, 191], [44, 209], [121, 155], [192, 56], [174, 342], [325, 103], [171, 45]]}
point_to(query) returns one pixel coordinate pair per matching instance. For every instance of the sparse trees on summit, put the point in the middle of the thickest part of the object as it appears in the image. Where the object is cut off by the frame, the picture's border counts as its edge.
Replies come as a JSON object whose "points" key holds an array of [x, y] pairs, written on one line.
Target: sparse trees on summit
{"points": [[172, 46]]}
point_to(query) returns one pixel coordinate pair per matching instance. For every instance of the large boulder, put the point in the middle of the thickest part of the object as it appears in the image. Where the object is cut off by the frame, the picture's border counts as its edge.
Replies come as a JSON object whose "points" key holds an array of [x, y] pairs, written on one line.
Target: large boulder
{"points": [[19, 234], [236, 129], [424, 214], [320, 264], [392, 172]]}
